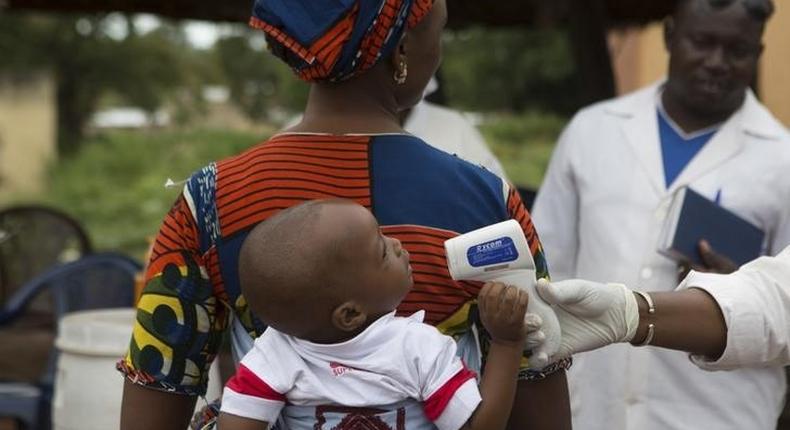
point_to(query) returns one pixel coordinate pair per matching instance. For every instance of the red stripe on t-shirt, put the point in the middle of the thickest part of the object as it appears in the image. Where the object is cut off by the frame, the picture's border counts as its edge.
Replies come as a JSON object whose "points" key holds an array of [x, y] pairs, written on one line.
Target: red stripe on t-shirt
{"points": [[247, 383], [434, 406]]}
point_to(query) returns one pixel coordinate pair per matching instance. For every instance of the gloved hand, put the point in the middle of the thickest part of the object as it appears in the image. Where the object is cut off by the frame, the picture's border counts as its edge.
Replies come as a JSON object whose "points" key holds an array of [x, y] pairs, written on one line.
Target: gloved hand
{"points": [[535, 341], [591, 314]]}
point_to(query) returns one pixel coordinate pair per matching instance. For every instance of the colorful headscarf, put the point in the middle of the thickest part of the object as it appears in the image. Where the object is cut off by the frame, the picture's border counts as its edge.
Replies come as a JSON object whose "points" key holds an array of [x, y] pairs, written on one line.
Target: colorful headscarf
{"points": [[333, 40]]}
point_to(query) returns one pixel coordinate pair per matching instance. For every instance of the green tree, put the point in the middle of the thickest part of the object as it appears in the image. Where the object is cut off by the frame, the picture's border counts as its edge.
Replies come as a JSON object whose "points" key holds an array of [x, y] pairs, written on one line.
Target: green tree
{"points": [[511, 69], [155, 70], [87, 62], [257, 80]]}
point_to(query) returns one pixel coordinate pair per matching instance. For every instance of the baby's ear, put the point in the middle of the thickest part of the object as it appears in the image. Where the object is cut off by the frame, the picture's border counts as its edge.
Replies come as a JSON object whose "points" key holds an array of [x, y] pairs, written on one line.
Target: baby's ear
{"points": [[349, 316]]}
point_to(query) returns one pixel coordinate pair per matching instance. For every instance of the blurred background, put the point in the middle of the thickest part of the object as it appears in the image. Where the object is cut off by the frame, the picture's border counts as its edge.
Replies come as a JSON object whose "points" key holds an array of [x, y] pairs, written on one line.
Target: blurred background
{"points": [[103, 103], [99, 108]]}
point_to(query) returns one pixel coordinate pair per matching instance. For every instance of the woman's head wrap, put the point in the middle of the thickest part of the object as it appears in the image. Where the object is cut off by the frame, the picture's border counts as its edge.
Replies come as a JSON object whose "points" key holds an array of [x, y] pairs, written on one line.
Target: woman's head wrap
{"points": [[333, 40]]}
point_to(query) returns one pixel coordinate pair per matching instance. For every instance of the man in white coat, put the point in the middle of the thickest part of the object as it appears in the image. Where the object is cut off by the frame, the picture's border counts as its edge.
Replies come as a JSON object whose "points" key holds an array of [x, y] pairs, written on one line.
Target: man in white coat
{"points": [[605, 199]]}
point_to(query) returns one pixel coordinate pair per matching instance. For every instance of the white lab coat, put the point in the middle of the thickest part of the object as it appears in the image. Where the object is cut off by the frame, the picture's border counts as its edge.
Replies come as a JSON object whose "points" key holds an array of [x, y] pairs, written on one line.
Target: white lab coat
{"points": [[599, 213], [755, 302]]}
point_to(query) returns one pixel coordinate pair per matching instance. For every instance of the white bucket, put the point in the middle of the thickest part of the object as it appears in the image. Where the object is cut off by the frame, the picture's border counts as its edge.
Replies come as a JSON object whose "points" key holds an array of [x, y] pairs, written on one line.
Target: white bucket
{"points": [[88, 389]]}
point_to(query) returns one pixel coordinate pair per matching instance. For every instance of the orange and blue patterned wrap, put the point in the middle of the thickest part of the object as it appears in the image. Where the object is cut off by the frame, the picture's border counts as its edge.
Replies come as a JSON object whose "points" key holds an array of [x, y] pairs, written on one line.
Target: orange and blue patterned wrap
{"points": [[419, 195], [331, 41]]}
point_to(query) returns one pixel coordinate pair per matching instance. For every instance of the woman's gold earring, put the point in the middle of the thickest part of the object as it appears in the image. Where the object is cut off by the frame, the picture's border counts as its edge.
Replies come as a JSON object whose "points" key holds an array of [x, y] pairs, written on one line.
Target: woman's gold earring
{"points": [[402, 73]]}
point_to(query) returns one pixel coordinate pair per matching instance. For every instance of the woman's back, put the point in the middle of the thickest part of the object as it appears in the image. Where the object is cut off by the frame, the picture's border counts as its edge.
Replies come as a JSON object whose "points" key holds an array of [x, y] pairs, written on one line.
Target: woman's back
{"points": [[420, 195]]}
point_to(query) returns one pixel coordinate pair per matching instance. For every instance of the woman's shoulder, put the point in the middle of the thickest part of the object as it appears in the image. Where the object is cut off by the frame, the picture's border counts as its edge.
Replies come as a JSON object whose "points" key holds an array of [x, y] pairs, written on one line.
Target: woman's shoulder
{"points": [[414, 149], [415, 183]]}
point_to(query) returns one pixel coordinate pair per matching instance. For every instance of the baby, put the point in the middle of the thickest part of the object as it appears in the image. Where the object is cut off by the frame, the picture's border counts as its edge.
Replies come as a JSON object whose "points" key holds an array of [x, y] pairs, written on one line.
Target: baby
{"points": [[327, 282]]}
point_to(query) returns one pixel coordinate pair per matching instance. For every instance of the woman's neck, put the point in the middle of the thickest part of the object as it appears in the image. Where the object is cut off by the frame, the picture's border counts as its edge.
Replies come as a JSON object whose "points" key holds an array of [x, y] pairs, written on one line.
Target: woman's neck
{"points": [[360, 106]]}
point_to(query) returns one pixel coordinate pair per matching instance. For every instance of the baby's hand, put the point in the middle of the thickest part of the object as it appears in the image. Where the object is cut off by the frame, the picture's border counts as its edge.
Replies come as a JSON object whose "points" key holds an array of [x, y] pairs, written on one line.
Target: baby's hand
{"points": [[502, 308]]}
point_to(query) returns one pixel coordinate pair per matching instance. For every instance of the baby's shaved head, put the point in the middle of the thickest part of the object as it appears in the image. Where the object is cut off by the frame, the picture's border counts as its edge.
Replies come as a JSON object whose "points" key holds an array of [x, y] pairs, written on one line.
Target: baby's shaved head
{"points": [[289, 265]]}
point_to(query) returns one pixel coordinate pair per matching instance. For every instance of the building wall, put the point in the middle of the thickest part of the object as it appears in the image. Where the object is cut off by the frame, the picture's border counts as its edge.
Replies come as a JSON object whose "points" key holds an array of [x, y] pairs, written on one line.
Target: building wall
{"points": [[27, 135], [775, 66], [640, 58]]}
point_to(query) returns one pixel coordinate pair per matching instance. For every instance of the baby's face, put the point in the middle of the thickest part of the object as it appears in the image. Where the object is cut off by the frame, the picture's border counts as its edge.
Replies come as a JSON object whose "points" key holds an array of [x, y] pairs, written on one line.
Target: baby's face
{"points": [[379, 266]]}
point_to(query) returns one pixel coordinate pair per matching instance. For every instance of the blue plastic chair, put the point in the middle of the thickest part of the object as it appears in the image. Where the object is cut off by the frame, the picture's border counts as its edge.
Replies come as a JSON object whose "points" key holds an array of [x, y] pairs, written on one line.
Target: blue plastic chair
{"points": [[32, 239], [96, 281]]}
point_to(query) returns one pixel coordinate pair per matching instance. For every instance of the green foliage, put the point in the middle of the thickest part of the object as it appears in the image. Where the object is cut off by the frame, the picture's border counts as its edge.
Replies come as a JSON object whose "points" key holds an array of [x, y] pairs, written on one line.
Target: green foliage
{"points": [[258, 81], [87, 63], [22, 41], [154, 68], [509, 70], [115, 184], [523, 143]]}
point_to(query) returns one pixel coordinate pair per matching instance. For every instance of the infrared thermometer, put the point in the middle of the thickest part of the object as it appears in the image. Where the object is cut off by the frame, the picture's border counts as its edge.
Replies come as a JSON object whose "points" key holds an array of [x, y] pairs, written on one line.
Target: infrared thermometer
{"points": [[500, 253]]}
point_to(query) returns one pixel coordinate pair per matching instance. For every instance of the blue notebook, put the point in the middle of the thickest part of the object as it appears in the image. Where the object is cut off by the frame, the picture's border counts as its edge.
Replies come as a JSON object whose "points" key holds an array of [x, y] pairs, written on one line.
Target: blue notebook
{"points": [[692, 217]]}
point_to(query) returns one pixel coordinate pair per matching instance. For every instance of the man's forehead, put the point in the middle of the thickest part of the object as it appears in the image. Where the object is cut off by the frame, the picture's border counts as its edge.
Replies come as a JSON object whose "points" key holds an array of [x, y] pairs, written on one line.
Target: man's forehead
{"points": [[735, 8]]}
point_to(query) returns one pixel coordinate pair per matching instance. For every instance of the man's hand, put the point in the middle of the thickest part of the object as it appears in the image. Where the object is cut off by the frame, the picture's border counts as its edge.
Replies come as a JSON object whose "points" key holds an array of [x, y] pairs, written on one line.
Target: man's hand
{"points": [[536, 339], [713, 262], [502, 310], [591, 314]]}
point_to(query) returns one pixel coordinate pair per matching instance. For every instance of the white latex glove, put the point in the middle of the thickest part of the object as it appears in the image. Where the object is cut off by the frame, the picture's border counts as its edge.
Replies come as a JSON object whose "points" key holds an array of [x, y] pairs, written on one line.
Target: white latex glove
{"points": [[592, 315], [534, 343]]}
